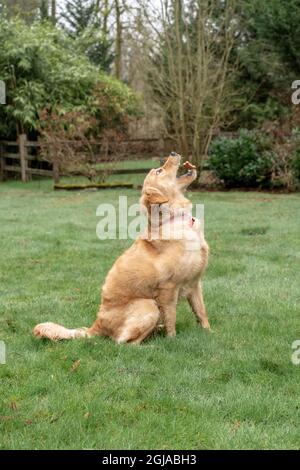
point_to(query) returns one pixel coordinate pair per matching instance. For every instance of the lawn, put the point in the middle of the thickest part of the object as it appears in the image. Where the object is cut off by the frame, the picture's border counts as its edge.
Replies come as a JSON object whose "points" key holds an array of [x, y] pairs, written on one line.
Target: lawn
{"points": [[234, 388], [143, 164]]}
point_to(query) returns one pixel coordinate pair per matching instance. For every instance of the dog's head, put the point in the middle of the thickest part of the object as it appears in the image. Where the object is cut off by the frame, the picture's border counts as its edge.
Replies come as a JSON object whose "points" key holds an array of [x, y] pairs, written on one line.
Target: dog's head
{"points": [[162, 186]]}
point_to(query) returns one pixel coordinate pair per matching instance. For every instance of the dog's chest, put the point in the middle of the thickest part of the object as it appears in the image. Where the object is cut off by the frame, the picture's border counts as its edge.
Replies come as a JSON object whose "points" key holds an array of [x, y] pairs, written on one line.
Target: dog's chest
{"points": [[192, 258], [190, 264]]}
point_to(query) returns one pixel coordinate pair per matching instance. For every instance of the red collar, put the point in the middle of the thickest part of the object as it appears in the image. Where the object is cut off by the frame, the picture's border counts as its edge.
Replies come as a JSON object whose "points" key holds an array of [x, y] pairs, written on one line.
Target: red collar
{"points": [[191, 221]]}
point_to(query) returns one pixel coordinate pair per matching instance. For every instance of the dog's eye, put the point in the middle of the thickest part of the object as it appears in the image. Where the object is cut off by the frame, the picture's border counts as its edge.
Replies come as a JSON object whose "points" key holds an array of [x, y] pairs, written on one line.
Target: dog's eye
{"points": [[158, 171]]}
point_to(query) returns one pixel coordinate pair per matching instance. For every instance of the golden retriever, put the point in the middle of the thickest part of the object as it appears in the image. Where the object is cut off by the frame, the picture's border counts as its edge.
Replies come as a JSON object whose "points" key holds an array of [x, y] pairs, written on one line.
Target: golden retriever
{"points": [[165, 263]]}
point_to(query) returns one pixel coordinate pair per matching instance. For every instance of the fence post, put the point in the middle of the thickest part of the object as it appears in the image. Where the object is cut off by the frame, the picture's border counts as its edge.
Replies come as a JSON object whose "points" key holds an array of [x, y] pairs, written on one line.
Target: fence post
{"points": [[23, 156], [161, 150], [2, 162], [55, 172]]}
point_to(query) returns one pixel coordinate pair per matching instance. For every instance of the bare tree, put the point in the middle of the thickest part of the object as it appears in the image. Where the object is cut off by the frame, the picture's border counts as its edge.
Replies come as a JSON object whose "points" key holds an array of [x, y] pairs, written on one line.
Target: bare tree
{"points": [[118, 54], [189, 69], [121, 16]]}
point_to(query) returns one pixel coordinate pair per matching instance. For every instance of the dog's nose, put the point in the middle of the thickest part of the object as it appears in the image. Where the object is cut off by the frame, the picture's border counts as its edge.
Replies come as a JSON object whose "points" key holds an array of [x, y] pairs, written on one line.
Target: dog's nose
{"points": [[174, 154]]}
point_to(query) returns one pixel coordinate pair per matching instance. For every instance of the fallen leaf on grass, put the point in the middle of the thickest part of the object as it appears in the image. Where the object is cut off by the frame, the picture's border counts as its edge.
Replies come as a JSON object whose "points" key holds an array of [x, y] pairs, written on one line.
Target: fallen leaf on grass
{"points": [[55, 417], [236, 426], [75, 365], [5, 418], [13, 406]]}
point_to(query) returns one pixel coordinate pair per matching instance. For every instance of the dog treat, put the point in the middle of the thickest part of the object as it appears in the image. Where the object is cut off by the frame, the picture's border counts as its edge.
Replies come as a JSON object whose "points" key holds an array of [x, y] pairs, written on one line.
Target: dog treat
{"points": [[189, 166]]}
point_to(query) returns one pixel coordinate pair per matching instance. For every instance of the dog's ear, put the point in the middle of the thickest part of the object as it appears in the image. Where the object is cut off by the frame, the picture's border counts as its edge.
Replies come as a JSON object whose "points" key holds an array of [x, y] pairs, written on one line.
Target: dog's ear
{"points": [[155, 196]]}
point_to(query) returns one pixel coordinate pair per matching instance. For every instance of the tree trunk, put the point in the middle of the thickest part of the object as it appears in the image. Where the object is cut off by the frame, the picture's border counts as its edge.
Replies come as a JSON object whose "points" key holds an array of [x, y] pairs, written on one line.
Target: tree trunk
{"points": [[105, 18], [118, 59], [181, 94], [53, 11]]}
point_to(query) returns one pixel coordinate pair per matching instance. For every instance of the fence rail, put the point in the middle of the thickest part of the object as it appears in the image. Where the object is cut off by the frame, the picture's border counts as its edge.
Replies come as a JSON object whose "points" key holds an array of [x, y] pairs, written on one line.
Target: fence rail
{"points": [[27, 152], [23, 156]]}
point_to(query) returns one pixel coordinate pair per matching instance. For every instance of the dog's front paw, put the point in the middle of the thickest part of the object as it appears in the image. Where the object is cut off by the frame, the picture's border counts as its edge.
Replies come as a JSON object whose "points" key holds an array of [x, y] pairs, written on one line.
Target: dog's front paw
{"points": [[206, 326]]}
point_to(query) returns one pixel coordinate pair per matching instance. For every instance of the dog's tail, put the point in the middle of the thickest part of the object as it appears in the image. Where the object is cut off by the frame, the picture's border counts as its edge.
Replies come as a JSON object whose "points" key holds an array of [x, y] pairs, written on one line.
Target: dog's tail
{"points": [[56, 332]]}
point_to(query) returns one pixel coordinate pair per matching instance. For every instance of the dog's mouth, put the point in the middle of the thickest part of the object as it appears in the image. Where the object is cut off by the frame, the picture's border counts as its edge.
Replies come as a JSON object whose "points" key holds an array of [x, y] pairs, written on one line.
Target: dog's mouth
{"points": [[190, 169], [174, 159]]}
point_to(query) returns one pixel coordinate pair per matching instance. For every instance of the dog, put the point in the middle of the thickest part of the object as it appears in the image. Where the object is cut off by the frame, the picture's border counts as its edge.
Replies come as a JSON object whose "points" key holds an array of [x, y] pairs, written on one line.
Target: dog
{"points": [[142, 288]]}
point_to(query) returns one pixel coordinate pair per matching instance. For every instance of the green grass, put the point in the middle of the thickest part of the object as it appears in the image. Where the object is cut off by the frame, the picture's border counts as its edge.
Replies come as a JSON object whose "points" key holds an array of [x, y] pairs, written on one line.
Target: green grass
{"points": [[132, 164], [235, 388], [145, 164]]}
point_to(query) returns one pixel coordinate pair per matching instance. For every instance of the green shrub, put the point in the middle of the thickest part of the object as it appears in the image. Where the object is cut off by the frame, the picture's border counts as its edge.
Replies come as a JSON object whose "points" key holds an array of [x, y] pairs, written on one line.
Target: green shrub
{"points": [[245, 161], [296, 164], [295, 159], [43, 68], [286, 168]]}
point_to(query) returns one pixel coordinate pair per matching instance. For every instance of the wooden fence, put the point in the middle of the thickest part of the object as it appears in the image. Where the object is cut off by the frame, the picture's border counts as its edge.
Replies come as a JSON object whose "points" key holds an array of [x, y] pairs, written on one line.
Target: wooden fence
{"points": [[18, 157], [15, 157]]}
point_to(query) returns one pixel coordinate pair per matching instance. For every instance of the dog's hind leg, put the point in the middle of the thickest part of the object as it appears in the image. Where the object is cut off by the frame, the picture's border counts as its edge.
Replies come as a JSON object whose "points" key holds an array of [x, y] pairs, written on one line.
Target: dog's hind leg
{"points": [[142, 317]]}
